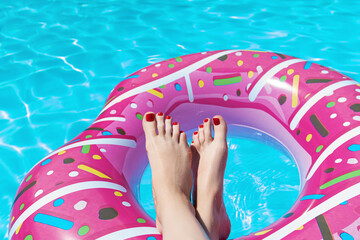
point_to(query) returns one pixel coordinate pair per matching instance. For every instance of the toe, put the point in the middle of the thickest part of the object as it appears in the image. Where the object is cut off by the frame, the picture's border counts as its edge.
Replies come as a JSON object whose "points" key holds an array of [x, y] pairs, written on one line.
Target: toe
{"points": [[176, 131], [201, 133], [149, 124], [196, 139], [168, 127], [220, 128], [183, 138], [160, 123], [207, 130]]}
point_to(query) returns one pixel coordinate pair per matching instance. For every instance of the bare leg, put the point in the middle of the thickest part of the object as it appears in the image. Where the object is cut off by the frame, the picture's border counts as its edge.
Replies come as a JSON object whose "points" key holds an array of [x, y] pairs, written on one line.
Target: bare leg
{"points": [[209, 162], [170, 162]]}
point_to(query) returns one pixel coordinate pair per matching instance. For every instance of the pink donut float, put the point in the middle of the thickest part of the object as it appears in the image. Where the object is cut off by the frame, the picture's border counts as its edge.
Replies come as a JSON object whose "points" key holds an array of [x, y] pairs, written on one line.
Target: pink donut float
{"points": [[87, 188]]}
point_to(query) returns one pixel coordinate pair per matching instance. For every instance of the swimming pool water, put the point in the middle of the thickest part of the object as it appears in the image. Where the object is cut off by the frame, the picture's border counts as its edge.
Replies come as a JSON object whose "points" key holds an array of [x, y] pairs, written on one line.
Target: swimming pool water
{"points": [[60, 59]]}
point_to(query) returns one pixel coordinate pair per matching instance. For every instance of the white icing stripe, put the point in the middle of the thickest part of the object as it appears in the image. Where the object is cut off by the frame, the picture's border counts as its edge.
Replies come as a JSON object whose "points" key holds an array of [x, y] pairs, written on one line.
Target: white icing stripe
{"points": [[268, 75], [104, 141], [167, 79], [332, 202], [116, 119], [314, 99], [331, 148], [189, 88], [130, 233], [59, 193]]}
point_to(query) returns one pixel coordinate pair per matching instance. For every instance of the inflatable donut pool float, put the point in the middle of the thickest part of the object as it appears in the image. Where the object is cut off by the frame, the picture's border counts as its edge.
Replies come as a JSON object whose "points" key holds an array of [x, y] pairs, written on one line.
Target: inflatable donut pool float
{"points": [[87, 188]]}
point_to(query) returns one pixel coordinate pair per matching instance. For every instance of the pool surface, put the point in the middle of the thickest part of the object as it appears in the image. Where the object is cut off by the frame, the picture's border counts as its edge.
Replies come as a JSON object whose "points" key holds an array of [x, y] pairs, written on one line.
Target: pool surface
{"points": [[60, 60]]}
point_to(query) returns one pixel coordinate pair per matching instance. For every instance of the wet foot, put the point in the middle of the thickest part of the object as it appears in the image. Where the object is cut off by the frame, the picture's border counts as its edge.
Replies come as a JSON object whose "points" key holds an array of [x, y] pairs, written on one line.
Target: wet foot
{"points": [[209, 162], [170, 161]]}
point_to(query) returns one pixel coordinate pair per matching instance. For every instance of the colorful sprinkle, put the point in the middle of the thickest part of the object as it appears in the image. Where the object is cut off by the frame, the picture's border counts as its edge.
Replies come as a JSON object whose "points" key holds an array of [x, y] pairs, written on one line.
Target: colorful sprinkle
{"points": [[274, 57], [290, 71], [24, 190], [238, 92], [61, 153], [93, 171], [141, 220], [308, 137], [73, 174], [227, 81], [22, 206], [342, 99], [156, 93], [354, 147], [312, 196], [319, 148], [288, 215], [139, 116], [126, 204], [50, 172], [120, 131], [352, 161], [97, 157], [201, 83], [223, 58], [118, 194], [318, 80], [330, 104], [177, 87], [250, 74], [28, 237], [80, 205], [346, 236], [178, 59], [28, 178], [154, 75], [355, 107], [240, 63], [324, 227], [68, 160], [307, 65], [345, 124], [58, 202], [262, 232], [339, 160], [282, 99], [318, 125], [45, 162], [53, 221], [329, 170], [171, 65], [334, 115], [38, 192], [208, 69], [340, 179], [256, 55], [295, 90], [83, 230], [344, 203], [283, 78], [108, 213]]}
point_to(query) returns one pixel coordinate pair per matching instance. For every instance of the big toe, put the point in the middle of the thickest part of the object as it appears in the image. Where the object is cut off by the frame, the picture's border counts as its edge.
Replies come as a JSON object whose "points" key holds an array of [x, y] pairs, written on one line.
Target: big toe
{"points": [[149, 124], [220, 128]]}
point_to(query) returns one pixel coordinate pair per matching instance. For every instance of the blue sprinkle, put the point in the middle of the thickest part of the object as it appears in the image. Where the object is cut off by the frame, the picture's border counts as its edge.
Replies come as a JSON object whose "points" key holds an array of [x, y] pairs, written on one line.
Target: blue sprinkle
{"points": [[58, 202], [45, 162], [312, 196], [288, 215], [74, 140], [53, 221], [106, 133], [177, 87], [346, 236], [354, 147], [274, 57], [307, 65], [343, 203], [151, 238]]}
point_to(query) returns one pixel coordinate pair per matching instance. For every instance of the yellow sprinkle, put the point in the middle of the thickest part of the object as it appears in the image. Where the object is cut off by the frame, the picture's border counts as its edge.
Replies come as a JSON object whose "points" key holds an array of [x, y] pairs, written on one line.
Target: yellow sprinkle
{"points": [[358, 85], [62, 152], [307, 95], [93, 171], [12, 219], [155, 75], [118, 194], [201, 83], [156, 93], [308, 137], [262, 232], [240, 62], [295, 90], [290, 71], [18, 229], [300, 228], [250, 74], [97, 157]]}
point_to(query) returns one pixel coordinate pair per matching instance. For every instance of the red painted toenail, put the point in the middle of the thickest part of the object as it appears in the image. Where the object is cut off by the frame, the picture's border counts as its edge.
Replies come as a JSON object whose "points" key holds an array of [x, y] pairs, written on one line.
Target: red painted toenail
{"points": [[150, 117], [201, 126], [216, 121], [195, 133], [206, 120], [168, 117], [160, 114], [192, 142], [175, 123], [181, 131]]}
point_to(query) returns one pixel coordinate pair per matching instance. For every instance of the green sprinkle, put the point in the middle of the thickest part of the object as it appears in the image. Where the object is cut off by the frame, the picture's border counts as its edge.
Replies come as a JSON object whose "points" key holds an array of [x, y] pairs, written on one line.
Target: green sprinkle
{"points": [[227, 81], [330, 104], [22, 206], [28, 178], [162, 86], [340, 179], [85, 149], [88, 136], [171, 65], [208, 69], [83, 230], [178, 59], [28, 237], [139, 116], [283, 78], [256, 55], [141, 220], [110, 99], [318, 149]]}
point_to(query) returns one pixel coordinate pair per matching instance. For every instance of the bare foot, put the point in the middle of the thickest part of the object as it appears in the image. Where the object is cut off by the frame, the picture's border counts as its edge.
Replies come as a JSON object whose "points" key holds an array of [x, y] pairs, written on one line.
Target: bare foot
{"points": [[170, 161], [209, 162]]}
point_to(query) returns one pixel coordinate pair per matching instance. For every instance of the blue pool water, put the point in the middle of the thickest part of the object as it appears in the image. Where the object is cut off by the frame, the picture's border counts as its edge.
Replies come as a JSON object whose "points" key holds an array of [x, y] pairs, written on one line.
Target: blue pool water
{"points": [[60, 59]]}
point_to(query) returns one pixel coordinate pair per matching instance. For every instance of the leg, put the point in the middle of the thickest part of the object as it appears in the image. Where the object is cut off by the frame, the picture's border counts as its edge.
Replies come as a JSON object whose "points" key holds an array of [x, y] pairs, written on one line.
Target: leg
{"points": [[170, 162], [209, 162]]}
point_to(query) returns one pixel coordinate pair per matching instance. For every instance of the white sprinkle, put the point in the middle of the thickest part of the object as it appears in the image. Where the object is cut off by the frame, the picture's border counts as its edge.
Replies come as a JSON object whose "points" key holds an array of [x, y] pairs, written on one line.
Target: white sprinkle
{"points": [[345, 124], [342, 99], [126, 204], [102, 150], [80, 205], [339, 160], [73, 174], [157, 65], [358, 97], [259, 69], [352, 161], [112, 111], [358, 89], [330, 93], [324, 72], [204, 53], [226, 97], [334, 115], [356, 118], [38, 192], [133, 105], [238, 53], [143, 70], [50, 172]]}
